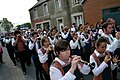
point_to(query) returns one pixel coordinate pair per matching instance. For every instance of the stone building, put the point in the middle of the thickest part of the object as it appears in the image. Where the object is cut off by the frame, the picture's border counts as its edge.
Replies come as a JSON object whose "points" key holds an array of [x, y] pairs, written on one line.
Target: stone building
{"points": [[46, 14]]}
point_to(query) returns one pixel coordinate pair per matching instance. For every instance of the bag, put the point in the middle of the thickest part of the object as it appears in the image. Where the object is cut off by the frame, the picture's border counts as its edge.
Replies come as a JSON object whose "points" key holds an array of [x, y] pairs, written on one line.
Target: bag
{"points": [[1, 50]]}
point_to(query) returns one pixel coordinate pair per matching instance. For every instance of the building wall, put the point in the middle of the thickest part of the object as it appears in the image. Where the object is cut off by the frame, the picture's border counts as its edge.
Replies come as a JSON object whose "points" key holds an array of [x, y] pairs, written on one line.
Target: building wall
{"points": [[76, 10], [93, 9], [65, 14], [53, 14]]}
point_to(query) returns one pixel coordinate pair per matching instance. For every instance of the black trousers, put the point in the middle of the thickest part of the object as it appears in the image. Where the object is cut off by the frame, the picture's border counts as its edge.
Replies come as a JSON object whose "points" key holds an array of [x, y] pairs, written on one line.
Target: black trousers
{"points": [[22, 58], [114, 72], [1, 60], [28, 53], [40, 72], [11, 54]]}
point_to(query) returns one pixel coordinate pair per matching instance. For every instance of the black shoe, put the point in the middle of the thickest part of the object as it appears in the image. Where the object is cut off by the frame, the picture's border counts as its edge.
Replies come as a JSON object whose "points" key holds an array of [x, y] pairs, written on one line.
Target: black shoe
{"points": [[2, 62], [15, 64]]}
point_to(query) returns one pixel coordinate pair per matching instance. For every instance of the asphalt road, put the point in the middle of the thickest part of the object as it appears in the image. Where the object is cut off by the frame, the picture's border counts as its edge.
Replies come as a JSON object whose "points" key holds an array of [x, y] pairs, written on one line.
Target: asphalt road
{"points": [[10, 72]]}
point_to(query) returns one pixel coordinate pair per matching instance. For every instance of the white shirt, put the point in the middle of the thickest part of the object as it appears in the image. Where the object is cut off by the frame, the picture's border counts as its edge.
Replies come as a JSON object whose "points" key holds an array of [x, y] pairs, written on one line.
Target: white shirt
{"points": [[73, 44], [53, 41], [7, 40], [31, 45], [84, 39], [100, 31], [42, 57], [119, 43], [55, 73], [97, 70], [13, 40], [64, 35], [113, 43]]}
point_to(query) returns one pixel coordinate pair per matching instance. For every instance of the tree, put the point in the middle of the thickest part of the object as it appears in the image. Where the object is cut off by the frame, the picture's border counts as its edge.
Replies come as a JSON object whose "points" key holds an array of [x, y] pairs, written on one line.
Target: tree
{"points": [[6, 25], [27, 25], [24, 25]]}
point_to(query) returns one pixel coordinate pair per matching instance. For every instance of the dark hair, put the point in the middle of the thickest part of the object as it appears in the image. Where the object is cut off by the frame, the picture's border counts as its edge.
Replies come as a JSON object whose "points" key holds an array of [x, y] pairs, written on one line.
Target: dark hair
{"points": [[17, 32], [101, 40], [43, 40], [34, 33], [61, 45], [105, 25]]}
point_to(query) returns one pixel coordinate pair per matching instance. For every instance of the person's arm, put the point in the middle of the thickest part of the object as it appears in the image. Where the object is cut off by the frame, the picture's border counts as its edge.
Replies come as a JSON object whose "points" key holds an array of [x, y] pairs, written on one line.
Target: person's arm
{"points": [[31, 45], [84, 39], [42, 57], [55, 74], [85, 69], [113, 66], [82, 43], [64, 35], [98, 70], [73, 45], [52, 41], [113, 46], [13, 42]]}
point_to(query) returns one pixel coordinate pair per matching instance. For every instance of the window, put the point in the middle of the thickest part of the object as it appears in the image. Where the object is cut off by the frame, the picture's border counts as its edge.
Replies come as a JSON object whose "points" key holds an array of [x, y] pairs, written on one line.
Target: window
{"points": [[77, 2], [78, 19], [46, 26], [60, 24], [38, 26], [45, 9], [58, 5], [35, 15]]}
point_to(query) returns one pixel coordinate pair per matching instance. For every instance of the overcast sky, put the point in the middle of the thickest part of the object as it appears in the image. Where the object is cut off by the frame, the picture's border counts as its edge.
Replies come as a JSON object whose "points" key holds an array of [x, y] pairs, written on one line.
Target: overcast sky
{"points": [[16, 11]]}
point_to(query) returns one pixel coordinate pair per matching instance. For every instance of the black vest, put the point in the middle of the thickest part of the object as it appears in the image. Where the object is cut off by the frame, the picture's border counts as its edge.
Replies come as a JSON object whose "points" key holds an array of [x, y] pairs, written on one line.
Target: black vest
{"points": [[77, 51], [88, 45], [76, 72], [34, 52], [9, 46], [106, 74]]}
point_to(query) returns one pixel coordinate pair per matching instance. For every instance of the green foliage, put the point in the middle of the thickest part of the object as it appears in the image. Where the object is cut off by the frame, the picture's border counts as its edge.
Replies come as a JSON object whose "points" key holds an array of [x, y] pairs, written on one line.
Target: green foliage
{"points": [[6, 25], [24, 25]]}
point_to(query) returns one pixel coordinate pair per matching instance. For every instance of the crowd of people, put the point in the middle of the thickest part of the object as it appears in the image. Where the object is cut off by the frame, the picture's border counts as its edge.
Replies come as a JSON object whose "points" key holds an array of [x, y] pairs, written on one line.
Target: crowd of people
{"points": [[67, 55]]}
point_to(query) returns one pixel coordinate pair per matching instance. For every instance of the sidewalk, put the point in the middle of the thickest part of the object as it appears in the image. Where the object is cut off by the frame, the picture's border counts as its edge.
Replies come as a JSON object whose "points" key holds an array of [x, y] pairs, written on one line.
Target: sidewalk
{"points": [[10, 72]]}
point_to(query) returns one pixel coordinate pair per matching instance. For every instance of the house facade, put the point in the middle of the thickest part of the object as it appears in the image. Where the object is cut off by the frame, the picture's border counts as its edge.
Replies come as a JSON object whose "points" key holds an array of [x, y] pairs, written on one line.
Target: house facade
{"points": [[46, 14], [97, 10]]}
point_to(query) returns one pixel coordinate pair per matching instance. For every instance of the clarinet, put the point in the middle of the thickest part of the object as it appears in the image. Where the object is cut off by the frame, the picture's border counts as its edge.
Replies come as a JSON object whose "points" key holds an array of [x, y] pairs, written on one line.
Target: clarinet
{"points": [[91, 65], [87, 63]]}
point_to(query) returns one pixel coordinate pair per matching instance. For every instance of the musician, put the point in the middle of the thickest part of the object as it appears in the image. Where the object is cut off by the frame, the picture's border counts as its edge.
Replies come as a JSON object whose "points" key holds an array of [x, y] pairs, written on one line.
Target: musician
{"points": [[76, 45], [104, 64], [34, 46], [19, 44], [112, 42], [10, 48], [87, 37], [64, 67], [46, 55], [53, 36], [66, 34]]}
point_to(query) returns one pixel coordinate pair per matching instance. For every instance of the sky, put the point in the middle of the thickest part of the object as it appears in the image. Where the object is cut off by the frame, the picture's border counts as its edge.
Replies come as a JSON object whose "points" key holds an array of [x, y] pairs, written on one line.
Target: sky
{"points": [[16, 11]]}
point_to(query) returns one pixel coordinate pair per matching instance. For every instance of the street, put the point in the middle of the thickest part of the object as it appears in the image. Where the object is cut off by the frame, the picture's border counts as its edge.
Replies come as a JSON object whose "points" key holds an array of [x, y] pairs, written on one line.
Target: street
{"points": [[10, 72]]}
